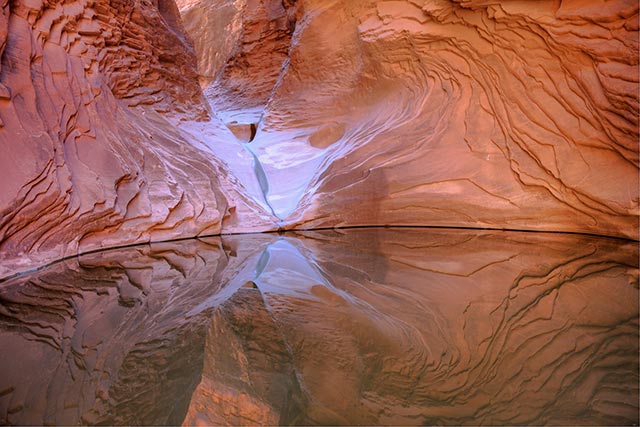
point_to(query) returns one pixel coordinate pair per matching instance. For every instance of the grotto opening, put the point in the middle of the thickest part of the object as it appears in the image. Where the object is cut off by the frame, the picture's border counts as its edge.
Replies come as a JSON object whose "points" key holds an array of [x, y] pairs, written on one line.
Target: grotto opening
{"points": [[268, 212]]}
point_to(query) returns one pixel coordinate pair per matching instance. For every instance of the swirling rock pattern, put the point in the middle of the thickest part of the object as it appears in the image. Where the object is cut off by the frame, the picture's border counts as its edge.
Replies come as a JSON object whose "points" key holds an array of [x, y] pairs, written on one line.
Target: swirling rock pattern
{"points": [[517, 115], [402, 327], [91, 157], [427, 112], [428, 328]]}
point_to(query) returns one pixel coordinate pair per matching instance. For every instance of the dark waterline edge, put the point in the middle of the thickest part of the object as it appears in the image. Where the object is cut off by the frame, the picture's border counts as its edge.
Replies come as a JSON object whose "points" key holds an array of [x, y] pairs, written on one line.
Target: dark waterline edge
{"points": [[298, 230]]}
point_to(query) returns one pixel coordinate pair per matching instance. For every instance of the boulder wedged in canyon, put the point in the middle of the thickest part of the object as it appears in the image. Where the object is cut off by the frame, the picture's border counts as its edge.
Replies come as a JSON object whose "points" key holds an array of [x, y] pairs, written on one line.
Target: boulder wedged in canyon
{"points": [[518, 115], [90, 95]]}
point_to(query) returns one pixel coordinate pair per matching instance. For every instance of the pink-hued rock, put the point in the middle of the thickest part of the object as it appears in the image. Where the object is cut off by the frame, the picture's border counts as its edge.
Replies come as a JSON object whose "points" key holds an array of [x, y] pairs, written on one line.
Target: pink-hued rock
{"points": [[516, 115], [520, 115], [330, 327], [90, 94], [242, 46], [438, 327]]}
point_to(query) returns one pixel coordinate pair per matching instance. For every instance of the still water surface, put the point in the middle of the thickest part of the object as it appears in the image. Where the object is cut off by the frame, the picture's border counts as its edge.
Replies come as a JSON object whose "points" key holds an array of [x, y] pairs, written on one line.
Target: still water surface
{"points": [[365, 326]]}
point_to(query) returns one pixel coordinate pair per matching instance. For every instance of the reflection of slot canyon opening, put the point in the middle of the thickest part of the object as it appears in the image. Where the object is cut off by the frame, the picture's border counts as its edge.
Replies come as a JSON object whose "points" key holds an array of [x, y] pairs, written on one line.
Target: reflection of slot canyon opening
{"points": [[322, 327]]}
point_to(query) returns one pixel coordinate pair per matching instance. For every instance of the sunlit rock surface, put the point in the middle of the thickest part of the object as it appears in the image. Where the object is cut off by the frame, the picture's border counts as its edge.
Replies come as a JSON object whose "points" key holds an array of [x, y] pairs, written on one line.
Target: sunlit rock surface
{"points": [[116, 128], [469, 113], [90, 94], [367, 327], [242, 47]]}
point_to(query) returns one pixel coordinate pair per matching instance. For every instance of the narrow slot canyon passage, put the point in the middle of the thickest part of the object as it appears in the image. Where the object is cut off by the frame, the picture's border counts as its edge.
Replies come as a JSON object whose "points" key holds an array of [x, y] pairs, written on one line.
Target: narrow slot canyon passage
{"points": [[353, 106], [208, 117], [240, 82], [319, 212], [241, 89]]}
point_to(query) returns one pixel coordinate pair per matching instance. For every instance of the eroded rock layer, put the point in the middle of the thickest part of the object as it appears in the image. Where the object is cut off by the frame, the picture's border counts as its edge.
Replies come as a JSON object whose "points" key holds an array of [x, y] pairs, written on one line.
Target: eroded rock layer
{"points": [[367, 327], [520, 115], [112, 339], [91, 158], [235, 39], [431, 112]]}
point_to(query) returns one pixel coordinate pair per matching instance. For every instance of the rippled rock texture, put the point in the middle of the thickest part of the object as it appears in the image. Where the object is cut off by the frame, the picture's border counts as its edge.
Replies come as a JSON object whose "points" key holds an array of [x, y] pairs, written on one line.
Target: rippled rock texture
{"points": [[469, 113], [365, 327], [312, 113], [112, 339], [89, 96]]}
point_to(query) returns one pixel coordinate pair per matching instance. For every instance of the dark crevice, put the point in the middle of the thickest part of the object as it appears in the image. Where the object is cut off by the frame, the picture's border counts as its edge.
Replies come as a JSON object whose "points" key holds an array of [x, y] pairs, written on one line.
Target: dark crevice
{"points": [[252, 129]]}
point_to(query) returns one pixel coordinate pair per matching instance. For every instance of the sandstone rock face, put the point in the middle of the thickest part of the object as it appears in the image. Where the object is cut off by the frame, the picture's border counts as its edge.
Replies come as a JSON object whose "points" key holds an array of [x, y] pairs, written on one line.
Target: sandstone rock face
{"points": [[242, 47], [91, 157], [315, 113], [467, 113], [365, 327]]}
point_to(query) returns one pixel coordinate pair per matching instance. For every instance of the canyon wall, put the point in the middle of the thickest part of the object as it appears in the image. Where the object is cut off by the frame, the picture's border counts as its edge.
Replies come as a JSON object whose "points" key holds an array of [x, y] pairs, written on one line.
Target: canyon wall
{"points": [[115, 340], [116, 128], [89, 96], [467, 113]]}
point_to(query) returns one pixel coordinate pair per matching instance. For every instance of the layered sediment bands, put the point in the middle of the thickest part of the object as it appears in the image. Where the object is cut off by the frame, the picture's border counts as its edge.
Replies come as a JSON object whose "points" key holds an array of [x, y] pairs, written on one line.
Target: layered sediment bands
{"points": [[522, 115], [371, 327], [242, 48], [113, 338], [429, 328], [89, 97], [467, 113]]}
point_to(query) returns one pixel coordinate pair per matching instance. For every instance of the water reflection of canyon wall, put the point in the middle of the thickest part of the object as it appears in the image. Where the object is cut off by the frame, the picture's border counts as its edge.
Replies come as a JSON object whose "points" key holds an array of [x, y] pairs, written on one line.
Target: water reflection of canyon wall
{"points": [[380, 326]]}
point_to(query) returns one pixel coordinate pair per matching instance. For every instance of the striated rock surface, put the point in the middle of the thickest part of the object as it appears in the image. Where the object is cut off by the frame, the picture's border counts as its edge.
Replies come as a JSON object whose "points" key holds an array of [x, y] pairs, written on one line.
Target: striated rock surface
{"points": [[427, 112], [90, 95], [113, 338], [242, 47], [365, 327], [389, 327], [519, 115]]}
